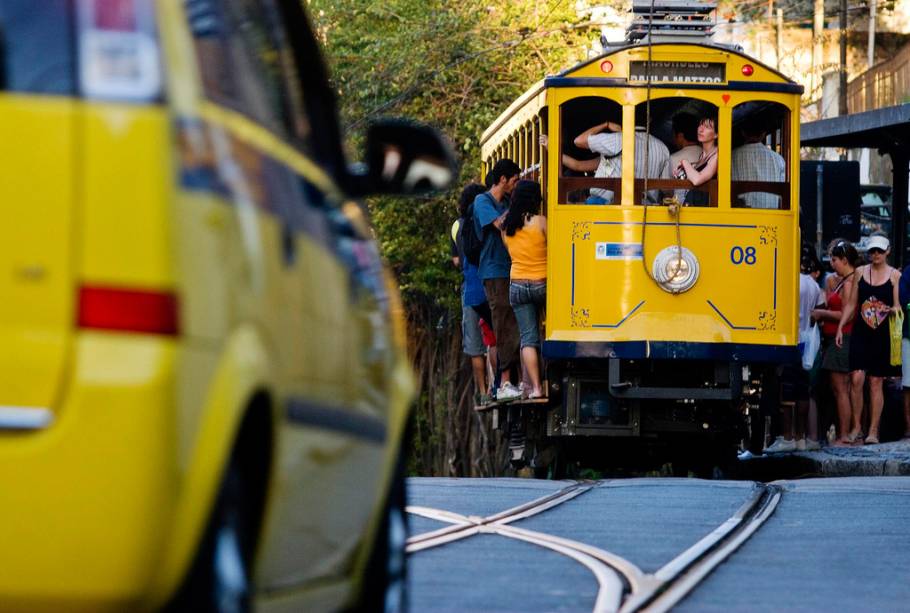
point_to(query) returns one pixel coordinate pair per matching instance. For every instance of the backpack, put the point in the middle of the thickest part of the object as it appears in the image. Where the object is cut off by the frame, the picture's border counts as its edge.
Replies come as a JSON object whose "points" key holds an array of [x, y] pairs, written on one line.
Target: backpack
{"points": [[471, 244]]}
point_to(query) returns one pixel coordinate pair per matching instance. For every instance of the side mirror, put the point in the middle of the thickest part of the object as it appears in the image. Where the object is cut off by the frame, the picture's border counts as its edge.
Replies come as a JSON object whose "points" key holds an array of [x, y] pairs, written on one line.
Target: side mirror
{"points": [[404, 157]]}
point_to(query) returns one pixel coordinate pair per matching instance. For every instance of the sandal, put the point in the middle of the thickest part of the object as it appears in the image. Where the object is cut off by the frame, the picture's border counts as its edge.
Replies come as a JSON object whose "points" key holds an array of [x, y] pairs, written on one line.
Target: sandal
{"points": [[854, 438], [871, 440]]}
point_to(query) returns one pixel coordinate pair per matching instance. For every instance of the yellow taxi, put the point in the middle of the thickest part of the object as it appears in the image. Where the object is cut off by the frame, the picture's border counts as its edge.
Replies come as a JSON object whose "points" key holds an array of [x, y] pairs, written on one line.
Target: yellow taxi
{"points": [[204, 389]]}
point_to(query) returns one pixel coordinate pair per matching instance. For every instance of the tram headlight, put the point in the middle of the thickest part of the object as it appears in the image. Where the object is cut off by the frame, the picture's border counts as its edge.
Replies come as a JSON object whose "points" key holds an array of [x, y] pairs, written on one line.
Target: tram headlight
{"points": [[675, 271]]}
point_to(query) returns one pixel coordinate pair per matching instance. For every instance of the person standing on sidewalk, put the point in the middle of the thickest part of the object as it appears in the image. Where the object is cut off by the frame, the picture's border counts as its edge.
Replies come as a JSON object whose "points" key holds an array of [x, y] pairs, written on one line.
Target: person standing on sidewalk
{"points": [[839, 287], [870, 344], [495, 265], [794, 379]]}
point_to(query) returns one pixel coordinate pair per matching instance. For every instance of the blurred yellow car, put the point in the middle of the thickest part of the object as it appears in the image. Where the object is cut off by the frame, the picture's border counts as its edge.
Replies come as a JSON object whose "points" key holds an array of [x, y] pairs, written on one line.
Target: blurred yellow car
{"points": [[204, 389]]}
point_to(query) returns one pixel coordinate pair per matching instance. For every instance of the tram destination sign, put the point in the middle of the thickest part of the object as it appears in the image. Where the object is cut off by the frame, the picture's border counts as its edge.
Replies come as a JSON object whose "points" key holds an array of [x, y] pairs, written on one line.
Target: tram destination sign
{"points": [[678, 72]]}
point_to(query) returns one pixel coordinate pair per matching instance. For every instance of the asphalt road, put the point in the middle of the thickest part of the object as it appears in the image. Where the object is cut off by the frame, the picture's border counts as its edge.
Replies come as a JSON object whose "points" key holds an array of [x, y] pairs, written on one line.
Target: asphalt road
{"points": [[830, 544]]}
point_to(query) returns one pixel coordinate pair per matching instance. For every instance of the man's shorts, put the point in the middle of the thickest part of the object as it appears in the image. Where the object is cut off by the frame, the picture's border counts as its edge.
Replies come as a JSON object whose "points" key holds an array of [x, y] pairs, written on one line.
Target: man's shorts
{"points": [[471, 337], [794, 383]]}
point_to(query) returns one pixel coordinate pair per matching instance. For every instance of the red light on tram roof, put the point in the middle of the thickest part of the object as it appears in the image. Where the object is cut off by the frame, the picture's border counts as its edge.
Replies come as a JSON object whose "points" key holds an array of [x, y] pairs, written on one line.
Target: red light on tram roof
{"points": [[748, 70], [606, 66]]}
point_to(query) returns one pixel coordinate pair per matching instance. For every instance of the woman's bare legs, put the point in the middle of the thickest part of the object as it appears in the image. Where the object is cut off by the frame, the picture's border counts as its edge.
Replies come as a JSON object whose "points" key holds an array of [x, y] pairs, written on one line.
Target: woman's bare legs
{"points": [[876, 403], [857, 380], [840, 382], [531, 364]]}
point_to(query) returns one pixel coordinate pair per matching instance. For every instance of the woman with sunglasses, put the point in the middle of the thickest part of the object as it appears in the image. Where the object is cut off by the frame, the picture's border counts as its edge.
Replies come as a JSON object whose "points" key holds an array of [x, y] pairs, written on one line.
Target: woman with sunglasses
{"points": [[839, 287], [875, 297]]}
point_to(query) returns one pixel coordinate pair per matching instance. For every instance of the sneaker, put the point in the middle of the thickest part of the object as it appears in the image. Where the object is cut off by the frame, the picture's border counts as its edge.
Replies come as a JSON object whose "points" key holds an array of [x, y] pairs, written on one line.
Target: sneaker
{"points": [[801, 444], [781, 445], [507, 392], [812, 445]]}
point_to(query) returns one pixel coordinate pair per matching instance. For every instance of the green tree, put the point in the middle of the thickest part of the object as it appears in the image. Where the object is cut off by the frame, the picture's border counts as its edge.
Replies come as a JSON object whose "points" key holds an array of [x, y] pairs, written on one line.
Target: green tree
{"points": [[455, 65]]}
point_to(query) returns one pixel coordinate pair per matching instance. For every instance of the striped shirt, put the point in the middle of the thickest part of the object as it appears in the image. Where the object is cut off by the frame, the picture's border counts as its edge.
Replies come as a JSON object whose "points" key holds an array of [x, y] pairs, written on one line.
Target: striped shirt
{"points": [[609, 146], [756, 162]]}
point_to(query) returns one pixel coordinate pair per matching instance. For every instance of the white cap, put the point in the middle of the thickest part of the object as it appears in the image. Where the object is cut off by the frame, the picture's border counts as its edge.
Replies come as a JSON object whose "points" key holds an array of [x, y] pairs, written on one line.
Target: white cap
{"points": [[878, 242]]}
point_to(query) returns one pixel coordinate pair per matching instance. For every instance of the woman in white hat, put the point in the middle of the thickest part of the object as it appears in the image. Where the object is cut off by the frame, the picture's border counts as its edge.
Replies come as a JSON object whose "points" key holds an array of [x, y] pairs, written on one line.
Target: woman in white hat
{"points": [[875, 297]]}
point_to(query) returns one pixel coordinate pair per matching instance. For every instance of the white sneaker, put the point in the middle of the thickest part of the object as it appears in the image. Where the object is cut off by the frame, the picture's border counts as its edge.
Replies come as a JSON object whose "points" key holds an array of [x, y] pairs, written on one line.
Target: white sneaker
{"points": [[781, 445], [812, 445], [507, 392], [801, 444]]}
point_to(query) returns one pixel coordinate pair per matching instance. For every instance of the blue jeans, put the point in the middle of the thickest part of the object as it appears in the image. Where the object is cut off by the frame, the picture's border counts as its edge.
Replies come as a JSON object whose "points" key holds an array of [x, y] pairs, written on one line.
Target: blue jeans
{"points": [[527, 299]]}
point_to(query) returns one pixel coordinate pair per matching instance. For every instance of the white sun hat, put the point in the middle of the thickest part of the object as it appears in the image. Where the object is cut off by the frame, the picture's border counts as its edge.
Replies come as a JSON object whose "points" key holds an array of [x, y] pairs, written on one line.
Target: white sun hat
{"points": [[878, 242]]}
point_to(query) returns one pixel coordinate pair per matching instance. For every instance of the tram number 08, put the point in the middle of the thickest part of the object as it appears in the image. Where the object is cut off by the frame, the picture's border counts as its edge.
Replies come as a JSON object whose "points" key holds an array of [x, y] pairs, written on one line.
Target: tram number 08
{"points": [[743, 255]]}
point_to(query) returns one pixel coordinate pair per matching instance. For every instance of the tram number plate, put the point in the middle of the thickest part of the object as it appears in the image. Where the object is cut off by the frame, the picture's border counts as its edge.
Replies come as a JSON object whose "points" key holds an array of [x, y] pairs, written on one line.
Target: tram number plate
{"points": [[678, 72]]}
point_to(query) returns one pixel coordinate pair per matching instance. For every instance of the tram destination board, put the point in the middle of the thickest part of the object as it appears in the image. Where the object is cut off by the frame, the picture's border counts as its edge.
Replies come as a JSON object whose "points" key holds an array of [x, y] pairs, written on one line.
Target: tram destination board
{"points": [[678, 72]]}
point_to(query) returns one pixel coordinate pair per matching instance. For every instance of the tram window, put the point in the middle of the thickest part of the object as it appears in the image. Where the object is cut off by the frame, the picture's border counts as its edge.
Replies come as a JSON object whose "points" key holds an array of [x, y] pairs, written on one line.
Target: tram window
{"points": [[585, 176], [761, 145], [681, 129]]}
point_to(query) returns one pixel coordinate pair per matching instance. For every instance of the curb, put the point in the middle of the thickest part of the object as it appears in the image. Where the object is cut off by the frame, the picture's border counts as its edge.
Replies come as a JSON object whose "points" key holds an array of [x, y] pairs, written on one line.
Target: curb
{"points": [[886, 459]]}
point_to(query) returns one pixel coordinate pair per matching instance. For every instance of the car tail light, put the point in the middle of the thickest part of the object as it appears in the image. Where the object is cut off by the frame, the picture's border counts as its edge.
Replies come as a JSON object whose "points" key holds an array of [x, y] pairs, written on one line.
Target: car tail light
{"points": [[118, 50], [128, 310]]}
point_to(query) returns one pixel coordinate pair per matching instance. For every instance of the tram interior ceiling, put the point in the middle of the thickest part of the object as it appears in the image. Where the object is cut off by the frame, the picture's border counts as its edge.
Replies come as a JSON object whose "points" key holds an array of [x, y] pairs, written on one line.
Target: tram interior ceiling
{"points": [[886, 130]]}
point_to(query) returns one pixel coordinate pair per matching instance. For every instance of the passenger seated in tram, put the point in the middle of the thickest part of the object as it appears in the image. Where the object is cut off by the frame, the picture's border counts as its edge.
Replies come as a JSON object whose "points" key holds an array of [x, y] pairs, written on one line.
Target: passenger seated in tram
{"points": [[685, 137], [705, 168], [605, 139], [755, 161]]}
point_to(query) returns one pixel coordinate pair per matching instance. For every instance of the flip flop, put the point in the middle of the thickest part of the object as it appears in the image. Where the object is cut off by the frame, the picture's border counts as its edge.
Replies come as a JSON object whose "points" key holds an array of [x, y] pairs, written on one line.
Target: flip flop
{"points": [[855, 439]]}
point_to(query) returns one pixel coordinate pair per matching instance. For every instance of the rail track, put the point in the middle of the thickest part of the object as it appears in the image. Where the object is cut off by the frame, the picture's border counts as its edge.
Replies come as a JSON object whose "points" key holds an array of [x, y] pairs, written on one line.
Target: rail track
{"points": [[623, 587]]}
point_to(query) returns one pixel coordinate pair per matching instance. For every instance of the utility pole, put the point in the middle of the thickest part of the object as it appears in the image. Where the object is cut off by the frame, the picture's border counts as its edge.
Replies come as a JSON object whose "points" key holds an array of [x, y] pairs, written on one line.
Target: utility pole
{"points": [[780, 35], [871, 53], [818, 27], [842, 90]]}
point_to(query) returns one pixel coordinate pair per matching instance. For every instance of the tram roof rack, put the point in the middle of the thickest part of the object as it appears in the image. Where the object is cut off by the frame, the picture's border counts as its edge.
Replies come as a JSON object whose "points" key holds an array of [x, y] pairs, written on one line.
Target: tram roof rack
{"points": [[690, 21]]}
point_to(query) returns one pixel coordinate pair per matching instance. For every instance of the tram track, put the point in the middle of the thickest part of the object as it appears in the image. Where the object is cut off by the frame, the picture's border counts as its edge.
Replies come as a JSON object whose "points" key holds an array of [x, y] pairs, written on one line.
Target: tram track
{"points": [[623, 587]]}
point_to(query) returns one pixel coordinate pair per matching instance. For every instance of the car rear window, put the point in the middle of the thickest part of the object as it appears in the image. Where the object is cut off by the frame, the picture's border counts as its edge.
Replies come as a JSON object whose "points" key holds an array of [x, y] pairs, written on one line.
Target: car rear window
{"points": [[36, 46]]}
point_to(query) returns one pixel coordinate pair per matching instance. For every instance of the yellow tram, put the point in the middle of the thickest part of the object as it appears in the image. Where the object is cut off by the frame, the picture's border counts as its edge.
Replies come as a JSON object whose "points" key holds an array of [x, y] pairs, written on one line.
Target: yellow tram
{"points": [[629, 354]]}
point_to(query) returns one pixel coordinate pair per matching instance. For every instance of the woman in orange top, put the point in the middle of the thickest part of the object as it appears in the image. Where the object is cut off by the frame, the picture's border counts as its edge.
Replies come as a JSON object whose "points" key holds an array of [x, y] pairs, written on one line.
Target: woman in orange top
{"points": [[524, 232]]}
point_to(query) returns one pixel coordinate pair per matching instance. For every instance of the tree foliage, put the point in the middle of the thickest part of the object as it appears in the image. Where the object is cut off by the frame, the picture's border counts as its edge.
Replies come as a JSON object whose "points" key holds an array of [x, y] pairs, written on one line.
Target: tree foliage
{"points": [[454, 65]]}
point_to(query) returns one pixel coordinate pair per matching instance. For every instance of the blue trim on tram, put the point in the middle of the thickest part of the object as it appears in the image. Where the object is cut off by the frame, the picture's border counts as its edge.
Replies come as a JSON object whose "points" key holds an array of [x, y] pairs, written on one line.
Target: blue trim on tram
{"points": [[670, 350]]}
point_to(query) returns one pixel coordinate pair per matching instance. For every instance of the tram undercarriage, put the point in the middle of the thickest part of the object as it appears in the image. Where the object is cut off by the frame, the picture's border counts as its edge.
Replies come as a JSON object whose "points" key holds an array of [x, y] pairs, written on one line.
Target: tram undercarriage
{"points": [[631, 414]]}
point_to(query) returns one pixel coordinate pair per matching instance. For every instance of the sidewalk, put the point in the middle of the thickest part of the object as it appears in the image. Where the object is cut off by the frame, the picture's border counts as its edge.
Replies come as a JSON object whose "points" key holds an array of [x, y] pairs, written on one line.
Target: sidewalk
{"points": [[884, 459]]}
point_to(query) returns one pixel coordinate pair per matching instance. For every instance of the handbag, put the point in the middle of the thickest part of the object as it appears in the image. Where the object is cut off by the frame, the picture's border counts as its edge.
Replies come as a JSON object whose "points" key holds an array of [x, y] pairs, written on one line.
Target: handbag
{"points": [[811, 341], [896, 322]]}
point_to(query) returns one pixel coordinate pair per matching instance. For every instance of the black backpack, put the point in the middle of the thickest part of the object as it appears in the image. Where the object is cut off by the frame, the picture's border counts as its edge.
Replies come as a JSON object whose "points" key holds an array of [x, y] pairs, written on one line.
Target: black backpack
{"points": [[471, 244]]}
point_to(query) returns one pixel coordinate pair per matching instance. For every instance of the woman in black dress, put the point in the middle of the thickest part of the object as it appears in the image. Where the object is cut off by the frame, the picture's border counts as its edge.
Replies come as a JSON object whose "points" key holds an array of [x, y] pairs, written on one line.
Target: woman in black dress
{"points": [[870, 344]]}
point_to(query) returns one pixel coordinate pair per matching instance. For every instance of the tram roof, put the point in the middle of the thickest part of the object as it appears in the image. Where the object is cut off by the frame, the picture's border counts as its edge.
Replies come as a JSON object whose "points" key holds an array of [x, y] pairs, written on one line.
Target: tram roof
{"points": [[579, 71], [884, 129]]}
